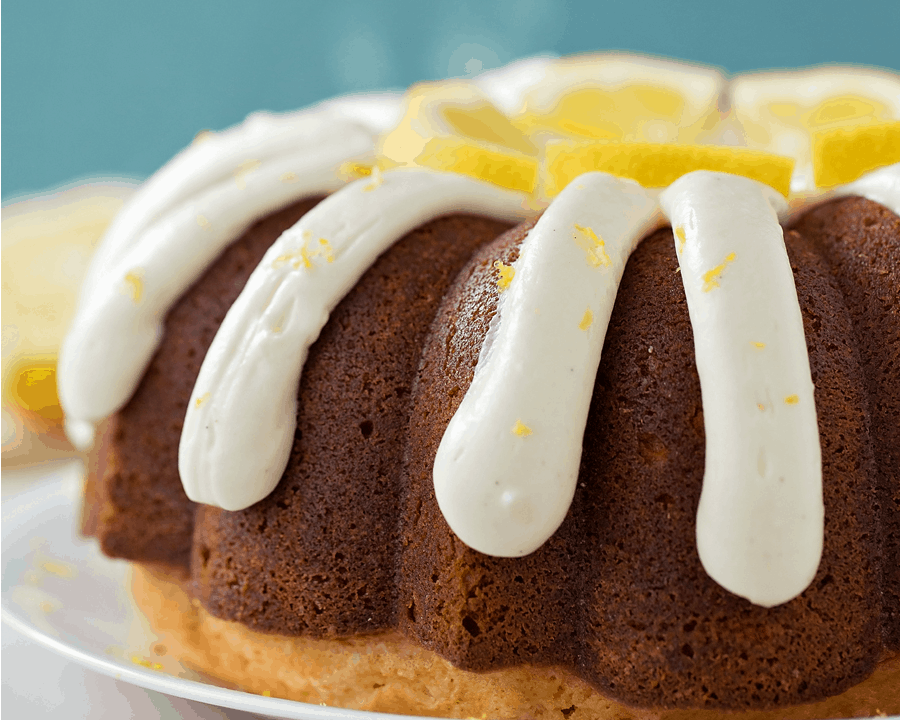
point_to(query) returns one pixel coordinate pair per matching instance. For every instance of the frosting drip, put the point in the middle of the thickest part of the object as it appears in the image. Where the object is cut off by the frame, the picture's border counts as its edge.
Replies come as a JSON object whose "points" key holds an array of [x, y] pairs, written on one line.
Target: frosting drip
{"points": [[881, 186], [171, 231], [760, 522], [240, 423], [507, 466]]}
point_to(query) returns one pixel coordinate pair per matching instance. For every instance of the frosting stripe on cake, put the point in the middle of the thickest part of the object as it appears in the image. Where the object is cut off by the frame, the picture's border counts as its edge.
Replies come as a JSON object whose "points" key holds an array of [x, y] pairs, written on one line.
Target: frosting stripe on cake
{"points": [[761, 514], [173, 228], [240, 423], [881, 186], [507, 466]]}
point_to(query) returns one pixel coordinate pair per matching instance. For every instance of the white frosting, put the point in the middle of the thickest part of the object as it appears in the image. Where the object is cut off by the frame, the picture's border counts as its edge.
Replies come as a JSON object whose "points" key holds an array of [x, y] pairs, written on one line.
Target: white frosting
{"points": [[881, 186], [174, 227], [240, 422], [507, 466], [761, 514]]}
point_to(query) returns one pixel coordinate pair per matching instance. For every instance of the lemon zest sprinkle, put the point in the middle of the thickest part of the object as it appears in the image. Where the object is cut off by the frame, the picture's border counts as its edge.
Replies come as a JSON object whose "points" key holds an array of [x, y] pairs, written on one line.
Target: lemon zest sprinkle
{"points": [[682, 238], [521, 429], [506, 275], [760, 406], [244, 169], [593, 246], [135, 281], [377, 179], [792, 400], [289, 177], [711, 277], [759, 345], [203, 222], [586, 320], [202, 399]]}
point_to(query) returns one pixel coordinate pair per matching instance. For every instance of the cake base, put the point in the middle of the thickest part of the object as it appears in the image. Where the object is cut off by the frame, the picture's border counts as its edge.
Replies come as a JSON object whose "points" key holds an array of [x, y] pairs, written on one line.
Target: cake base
{"points": [[387, 673]]}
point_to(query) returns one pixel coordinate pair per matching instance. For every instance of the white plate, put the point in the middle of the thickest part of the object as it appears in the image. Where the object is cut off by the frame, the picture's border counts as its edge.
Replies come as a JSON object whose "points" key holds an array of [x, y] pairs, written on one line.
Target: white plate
{"points": [[60, 591]]}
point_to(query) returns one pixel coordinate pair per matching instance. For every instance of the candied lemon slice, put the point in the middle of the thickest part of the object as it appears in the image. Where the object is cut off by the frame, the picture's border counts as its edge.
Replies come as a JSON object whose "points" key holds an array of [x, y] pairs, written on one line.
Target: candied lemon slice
{"points": [[450, 110], [659, 165], [843, 154], [508, 169]]}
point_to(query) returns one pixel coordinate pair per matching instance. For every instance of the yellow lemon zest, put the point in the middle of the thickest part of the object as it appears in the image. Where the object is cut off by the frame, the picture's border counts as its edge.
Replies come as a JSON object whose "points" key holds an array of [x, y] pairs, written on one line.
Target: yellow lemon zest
{"points": [[586, 320], [377, 179], [245, 168], [682, 238], [792, 400], [593, 246], [135, 282], [521, 429], [711, 277], [506, 275]]}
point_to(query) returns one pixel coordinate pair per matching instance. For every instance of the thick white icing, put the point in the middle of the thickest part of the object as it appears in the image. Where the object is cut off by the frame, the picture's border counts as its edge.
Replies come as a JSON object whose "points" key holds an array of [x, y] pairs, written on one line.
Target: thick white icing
{"points": [[507, 466], [761, 514], [240, 422], [174, 226], [881, 186]]}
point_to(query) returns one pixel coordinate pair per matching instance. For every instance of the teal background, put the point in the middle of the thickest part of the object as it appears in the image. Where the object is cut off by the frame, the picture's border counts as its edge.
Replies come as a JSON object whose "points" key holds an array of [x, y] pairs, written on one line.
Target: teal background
{"points": [[115, 88]]}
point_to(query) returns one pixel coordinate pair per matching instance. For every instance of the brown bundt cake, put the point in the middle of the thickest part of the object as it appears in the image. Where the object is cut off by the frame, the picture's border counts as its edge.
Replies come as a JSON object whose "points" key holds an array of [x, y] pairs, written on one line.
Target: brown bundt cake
{"points": [[351, 553]]}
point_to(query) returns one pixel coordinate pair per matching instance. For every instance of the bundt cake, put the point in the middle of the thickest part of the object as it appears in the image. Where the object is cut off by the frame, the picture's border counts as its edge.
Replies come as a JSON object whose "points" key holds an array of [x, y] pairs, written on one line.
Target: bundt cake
{"points": [[563, 407]]}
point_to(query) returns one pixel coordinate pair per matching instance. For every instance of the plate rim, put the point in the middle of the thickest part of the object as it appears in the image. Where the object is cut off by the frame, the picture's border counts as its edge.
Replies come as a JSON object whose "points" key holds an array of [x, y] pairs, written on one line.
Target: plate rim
{"points": [[45, 495]]}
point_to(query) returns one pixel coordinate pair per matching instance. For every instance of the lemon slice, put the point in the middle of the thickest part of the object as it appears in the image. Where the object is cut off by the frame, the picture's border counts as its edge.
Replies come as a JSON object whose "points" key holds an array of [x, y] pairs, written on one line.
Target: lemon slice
{"points": [[659, 165], [32, 387], [783, 112], [456, 110], [843, 154], [47, 243], [621, 97], [508, 169]]}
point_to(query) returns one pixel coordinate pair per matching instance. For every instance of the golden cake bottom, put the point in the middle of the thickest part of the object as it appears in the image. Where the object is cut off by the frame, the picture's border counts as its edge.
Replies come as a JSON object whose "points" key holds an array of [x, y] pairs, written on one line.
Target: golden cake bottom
{"points": [[386, 673]]}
